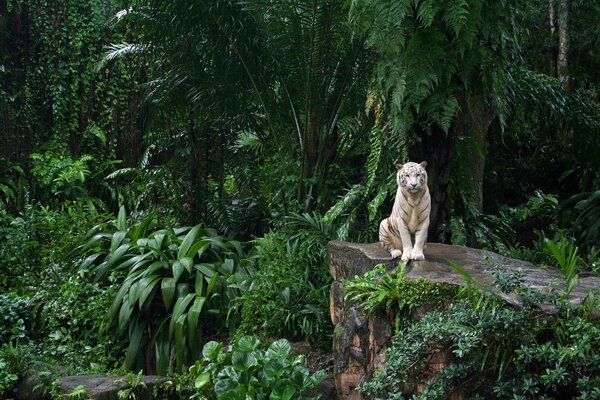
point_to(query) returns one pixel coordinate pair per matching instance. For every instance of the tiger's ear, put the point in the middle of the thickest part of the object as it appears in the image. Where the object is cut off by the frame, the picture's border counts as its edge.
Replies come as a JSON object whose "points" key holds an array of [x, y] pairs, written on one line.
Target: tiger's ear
{"points": [[423, 164], [399, 166]]}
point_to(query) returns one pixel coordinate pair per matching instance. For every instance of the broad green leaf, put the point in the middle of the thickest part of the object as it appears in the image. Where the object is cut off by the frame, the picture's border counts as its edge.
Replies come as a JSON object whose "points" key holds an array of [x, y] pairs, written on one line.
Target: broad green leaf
{"points": [[180, 346], [242, 361], [279, 349], [199, 284], [167, 286], [122, 219], [225, 389], [117, 255], [154, 267], [206, 269], [202, 380], [188, 263], [89, 260], [190, 238], [158, 240], [180, 306], [147, 287], [211, 350], [198, 248], [117, 240], [178, 269], [153, 250], [135, 338], [192, 320], [211, 284], [283, 390], [247, 343], [183, 288], [125, 315], [273, 369]]}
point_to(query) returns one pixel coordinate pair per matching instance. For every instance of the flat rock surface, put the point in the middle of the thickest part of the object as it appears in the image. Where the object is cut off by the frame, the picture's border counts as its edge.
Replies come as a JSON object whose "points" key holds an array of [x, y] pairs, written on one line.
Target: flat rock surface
{"points": [[99, 387], [359, 258]]}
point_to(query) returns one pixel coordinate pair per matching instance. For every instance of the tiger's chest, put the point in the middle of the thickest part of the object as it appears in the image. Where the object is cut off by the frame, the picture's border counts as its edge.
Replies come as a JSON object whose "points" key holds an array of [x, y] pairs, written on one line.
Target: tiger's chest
{"points": [[412, 210]]}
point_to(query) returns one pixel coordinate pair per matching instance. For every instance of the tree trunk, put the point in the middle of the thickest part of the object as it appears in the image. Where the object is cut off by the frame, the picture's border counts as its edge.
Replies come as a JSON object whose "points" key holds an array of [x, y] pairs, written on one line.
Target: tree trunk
{"points": [[563, 45], [552, 21], [437, 148], [474, 122]]}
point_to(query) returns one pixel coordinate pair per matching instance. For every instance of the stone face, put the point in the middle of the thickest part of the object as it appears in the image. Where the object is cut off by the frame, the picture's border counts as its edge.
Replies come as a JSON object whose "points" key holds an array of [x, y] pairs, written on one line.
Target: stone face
{"points": [[106, 387], [359, 341]]}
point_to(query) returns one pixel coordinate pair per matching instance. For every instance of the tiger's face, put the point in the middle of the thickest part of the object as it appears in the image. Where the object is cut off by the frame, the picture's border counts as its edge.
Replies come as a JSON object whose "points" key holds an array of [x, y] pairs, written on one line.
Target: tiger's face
{"points": [[412, 176]]}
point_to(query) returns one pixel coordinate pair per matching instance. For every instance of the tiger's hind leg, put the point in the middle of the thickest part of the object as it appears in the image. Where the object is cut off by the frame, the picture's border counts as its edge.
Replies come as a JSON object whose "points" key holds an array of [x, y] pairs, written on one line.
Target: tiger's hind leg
{"points": [[388, 240]]}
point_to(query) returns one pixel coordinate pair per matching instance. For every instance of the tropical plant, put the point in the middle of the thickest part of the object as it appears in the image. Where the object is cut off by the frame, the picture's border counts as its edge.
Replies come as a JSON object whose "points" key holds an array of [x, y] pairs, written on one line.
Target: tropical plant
{"points": [[286, 295], [246, 370], [286, 72], [13, 364], [565, 253], [174, 286], [379, 289], [584, 216], [495, 351]]}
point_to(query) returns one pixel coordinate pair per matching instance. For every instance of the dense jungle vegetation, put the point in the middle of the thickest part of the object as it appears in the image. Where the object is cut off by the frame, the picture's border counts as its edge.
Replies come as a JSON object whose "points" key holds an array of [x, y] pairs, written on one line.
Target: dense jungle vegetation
{"points": [[172, 170]]}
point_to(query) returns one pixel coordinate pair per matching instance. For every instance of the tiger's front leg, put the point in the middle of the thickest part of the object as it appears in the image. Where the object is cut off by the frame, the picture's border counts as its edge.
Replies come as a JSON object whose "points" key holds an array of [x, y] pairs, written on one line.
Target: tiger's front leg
{"points": [[388, 240], [420, 237], [406, 242]]}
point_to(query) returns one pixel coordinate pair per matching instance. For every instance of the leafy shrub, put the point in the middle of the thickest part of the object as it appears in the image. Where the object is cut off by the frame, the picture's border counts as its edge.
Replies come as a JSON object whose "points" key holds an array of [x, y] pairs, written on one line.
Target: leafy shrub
{"points": [[69, 331], [36, 244], [582, 212], [379, 288], [173, 286], [247, 370], [493, 350], [60, 176], [16, 315], [13, 363], [287, 294]]}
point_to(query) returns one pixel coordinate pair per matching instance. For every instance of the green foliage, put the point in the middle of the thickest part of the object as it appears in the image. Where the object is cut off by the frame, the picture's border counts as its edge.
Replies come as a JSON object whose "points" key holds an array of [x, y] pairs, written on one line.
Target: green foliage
{"points": [[433, 53], [248, 370], [286, 296], [60, 176], [16, 314], [69, 318], [134, 386], [173, 285], [584, 217], [494, 352], [13, 363], [42, 236], [565, 254], [481, 347], [395, 291]]}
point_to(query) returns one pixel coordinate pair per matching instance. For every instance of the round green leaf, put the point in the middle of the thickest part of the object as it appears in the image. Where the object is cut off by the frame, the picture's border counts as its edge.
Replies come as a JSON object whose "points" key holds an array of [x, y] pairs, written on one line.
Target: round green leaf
{"points": [[247, 343], [273, 369], [243, 361], [211, 350], [279, 349], [283, 390]]}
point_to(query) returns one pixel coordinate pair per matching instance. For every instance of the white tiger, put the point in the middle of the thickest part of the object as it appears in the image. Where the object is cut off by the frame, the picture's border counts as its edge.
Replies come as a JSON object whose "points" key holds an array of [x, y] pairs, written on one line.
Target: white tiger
{"points": [[410, 214]]}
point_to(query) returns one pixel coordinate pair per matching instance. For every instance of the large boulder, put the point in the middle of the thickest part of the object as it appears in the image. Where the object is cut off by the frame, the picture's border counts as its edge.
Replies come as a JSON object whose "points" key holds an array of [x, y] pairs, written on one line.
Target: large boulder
{"points": [[359, 340]]}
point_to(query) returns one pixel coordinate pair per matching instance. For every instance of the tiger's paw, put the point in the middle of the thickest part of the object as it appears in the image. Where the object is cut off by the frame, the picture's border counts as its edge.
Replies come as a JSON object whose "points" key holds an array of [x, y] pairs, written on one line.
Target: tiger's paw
{"points": [[406, 256], [396, 253], [417, 255]]}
